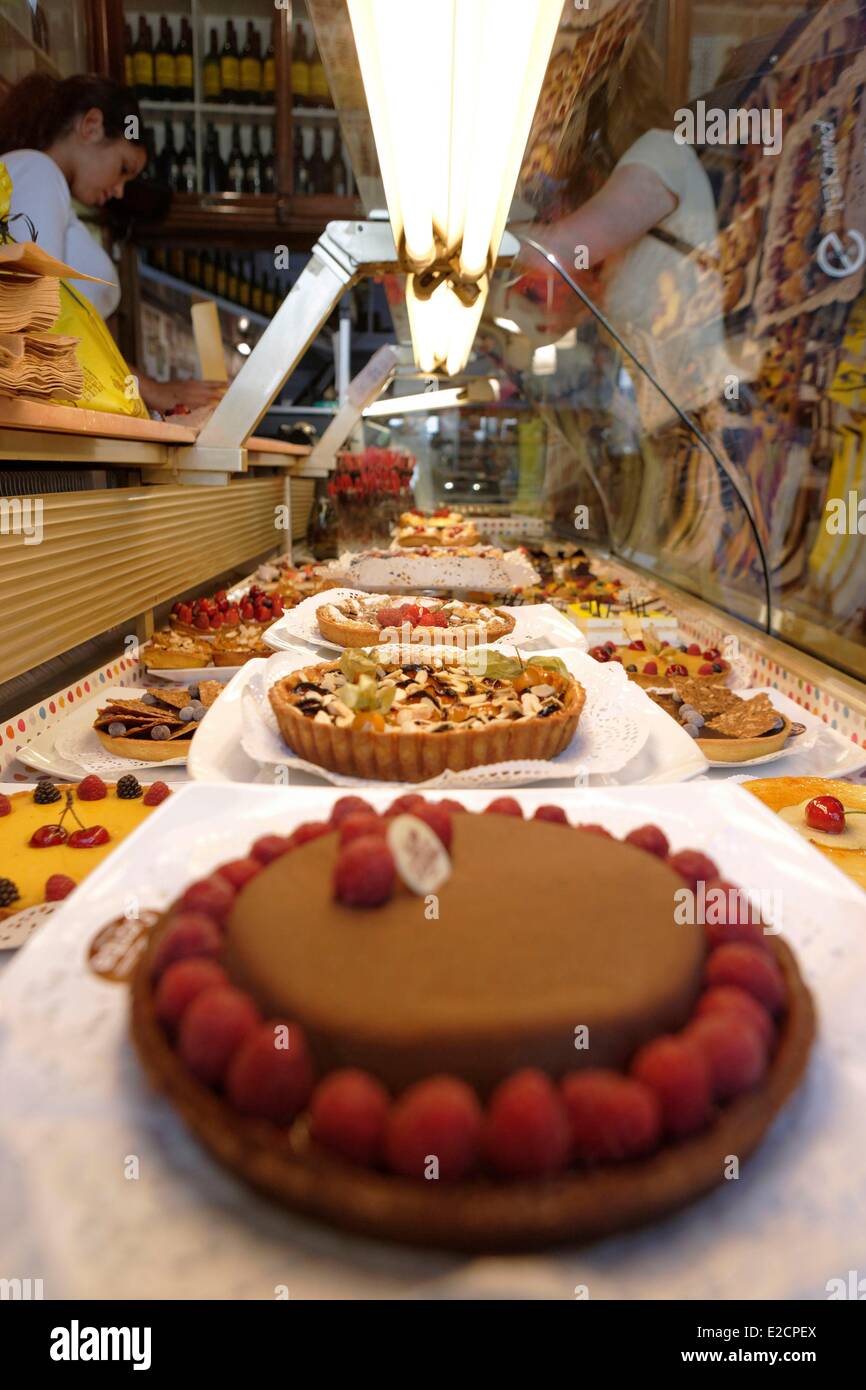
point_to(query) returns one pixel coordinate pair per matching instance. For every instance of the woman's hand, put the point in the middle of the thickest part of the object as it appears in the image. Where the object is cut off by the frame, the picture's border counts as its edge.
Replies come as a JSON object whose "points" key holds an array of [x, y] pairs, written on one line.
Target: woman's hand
{"points": [[164, 396]]}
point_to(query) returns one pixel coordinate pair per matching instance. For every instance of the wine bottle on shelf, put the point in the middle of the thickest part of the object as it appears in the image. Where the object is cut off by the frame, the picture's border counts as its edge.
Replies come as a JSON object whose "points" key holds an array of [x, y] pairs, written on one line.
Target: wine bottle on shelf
{"points": [[302, 171], [183, 83], [269, 167], [169, 159], [318, 165], [142, 62], [320, 92], [128, 65], [335, 169], [269, 298], [213, 170], [192, 269], [188, 171], [269, 71], [163, 63], [176, 262], [208, 272], [159, 257], [232, 279], [211, 84], [256, 293], [220, 276], [151, 168], [251, 68], [300, 69], [235, 169], [254, 165], [230, 68], [244, 287]]}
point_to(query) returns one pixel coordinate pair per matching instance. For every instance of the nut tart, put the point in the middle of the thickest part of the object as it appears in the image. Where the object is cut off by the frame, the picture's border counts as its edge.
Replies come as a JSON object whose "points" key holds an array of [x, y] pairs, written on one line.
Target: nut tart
{"points": [[646, 661], [53, 834], [365, 620], [337, 1049], [158, 726], [235, 645], [728, 728], [172, 650], [399, 720], [828, 812]]}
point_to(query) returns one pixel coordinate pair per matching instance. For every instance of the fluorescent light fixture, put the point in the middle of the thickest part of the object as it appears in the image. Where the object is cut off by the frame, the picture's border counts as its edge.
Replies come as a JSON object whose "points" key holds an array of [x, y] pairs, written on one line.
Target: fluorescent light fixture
{"points": [[428, 400], [443, 329], [451, 90]]}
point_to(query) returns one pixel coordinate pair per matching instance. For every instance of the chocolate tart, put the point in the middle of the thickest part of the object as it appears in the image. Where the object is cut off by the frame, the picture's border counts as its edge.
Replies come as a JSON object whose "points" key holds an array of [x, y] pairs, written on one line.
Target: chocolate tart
{"points": [[485, 995], [398, 754]]}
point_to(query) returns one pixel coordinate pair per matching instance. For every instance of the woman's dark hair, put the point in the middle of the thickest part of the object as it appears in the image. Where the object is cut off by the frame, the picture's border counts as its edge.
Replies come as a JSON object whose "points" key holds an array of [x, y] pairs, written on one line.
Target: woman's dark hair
{"points": [[41, 108]]}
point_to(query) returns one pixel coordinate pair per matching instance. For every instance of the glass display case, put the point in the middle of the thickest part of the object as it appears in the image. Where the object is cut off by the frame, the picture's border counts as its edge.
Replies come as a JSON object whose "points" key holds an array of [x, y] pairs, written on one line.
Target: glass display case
{"points": [[685, 321]]}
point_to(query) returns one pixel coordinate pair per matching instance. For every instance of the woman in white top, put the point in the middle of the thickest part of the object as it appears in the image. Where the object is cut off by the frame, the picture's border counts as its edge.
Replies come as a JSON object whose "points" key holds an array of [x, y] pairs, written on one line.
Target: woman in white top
{"points": [[80, 138]]}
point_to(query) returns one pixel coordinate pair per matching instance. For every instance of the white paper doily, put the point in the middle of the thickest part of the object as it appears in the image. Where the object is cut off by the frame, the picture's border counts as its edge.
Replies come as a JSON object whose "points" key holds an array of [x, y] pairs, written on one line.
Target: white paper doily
{"points": [[80, 745], [18, 928], [611, 730], [534, 625]]}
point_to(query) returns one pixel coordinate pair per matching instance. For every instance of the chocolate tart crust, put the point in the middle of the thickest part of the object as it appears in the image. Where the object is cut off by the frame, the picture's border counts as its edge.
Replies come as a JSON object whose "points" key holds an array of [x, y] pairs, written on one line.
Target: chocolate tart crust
{"points": [[485, 1214]]}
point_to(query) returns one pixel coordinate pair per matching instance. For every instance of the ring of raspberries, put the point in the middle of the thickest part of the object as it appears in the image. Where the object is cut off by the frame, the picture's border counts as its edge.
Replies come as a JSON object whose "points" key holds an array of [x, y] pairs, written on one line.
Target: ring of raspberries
{"points": [[530, 1126]]}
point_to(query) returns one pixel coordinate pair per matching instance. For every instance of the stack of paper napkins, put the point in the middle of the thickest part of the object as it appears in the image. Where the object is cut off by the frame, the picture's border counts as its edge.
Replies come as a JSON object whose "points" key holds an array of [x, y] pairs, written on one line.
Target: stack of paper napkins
{"points": [[38, 365], [33, 362]]}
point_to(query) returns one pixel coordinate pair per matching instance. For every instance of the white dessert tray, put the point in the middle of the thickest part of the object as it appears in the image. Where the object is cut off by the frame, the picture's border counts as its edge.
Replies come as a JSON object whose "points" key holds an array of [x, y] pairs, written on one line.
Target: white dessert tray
{"points": [[622, 736], [77, 1105], [536, 626], [65, 749]]}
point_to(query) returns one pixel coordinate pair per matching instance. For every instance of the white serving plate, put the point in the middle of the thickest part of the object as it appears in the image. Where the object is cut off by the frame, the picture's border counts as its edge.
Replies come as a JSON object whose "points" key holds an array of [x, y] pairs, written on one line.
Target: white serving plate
{"points": [[76, 1104], [42, 755], [76, 740], [536, 626], [614, 730], [820, 752], [194, 674]]}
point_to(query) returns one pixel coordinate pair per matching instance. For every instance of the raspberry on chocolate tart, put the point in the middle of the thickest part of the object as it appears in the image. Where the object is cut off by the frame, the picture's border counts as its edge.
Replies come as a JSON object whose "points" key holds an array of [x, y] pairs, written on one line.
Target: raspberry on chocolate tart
{"points": [[560, 1074], [374, 716]]}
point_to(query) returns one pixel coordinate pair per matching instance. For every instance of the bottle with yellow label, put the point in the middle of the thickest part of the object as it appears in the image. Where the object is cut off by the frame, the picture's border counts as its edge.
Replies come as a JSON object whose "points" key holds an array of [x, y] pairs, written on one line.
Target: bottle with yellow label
{"points": [[269, 72], [183, 84], [142, 62], [163, 63], [128, 66], [230, 67], [251, 68], [320, 92], [211, 85], [300, 69]]}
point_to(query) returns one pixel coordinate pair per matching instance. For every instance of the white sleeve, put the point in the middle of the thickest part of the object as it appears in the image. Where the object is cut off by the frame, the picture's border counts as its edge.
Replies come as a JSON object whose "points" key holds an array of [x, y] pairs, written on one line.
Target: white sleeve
{"points": [[659, 151], [39, 190]]}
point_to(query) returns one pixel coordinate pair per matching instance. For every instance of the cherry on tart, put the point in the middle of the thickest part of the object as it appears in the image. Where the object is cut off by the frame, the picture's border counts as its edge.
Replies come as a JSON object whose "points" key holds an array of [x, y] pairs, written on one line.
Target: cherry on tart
{"points": [[416, 1077]]}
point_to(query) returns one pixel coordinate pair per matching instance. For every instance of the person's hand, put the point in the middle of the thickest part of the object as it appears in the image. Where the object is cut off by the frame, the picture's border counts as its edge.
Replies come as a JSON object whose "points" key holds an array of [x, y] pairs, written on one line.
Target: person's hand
{"points": [[165, 396], [538, 299]]}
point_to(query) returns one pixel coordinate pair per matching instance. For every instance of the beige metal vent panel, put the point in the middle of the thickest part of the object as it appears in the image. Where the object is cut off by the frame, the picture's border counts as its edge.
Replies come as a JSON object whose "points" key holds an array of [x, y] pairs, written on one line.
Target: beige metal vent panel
{"points": [[107, 556], [303, 493]]}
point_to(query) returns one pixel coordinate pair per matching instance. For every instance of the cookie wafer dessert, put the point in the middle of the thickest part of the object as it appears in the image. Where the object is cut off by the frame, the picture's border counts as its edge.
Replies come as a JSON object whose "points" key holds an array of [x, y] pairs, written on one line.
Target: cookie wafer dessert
{"points": [[152, 727]]}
